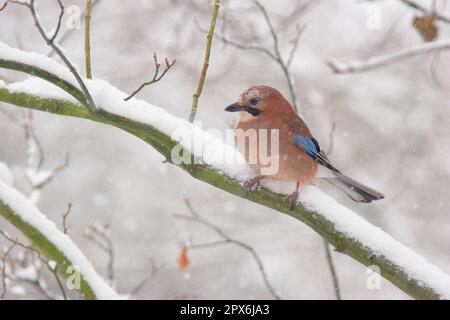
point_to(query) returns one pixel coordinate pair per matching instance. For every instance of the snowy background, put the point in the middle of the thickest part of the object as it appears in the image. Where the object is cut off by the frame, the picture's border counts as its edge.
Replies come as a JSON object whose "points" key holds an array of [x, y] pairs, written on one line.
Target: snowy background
{"points": [[392, 132]]}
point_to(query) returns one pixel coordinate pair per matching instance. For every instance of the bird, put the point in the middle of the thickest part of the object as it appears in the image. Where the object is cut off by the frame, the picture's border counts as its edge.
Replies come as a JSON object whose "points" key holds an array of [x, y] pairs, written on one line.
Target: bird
{"points": [[301, 158]]}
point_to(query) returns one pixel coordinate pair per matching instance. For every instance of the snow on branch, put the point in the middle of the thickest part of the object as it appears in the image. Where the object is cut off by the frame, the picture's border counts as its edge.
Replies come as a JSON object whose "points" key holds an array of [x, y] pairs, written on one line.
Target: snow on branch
{"points": [[380, 61], [341, 227], [52, 243]]}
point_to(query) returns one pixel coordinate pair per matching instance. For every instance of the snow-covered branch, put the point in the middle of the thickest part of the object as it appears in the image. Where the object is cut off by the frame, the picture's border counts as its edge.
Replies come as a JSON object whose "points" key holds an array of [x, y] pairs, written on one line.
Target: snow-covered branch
{"points": [[380, 61], [53, 244], [340, 226]]}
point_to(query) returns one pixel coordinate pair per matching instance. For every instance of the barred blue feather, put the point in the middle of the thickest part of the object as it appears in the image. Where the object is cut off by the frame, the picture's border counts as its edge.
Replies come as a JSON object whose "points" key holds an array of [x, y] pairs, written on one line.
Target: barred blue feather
{"points": [[307, 144]]}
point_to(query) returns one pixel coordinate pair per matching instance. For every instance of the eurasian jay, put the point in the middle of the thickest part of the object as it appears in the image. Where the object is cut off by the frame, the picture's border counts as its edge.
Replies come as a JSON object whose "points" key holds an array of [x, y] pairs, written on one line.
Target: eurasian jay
{"points": [[300, 157]]}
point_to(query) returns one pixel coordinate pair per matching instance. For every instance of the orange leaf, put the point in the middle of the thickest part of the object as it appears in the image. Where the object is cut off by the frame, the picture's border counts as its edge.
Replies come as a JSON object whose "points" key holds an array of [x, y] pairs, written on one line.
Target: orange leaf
{"points": [[183, 260]]}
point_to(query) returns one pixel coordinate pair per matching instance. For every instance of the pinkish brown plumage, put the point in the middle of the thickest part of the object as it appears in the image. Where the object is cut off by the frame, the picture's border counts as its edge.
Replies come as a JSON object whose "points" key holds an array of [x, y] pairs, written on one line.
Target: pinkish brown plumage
{"points": [[263, 107]]}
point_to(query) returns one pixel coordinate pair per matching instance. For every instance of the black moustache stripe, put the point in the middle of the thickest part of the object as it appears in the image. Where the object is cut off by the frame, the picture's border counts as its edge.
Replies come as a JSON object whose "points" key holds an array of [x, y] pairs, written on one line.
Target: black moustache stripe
{"points": [[253, 111]]}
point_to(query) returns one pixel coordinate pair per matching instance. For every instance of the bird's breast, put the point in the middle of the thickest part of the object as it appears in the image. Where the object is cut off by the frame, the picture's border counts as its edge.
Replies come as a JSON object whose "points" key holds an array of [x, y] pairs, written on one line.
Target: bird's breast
{"points": [[265, 149]]}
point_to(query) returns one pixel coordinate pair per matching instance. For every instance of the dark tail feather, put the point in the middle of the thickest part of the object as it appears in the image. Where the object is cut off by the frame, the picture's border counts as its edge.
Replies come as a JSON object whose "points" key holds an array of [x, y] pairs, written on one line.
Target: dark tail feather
{"points": [[355, 190]]}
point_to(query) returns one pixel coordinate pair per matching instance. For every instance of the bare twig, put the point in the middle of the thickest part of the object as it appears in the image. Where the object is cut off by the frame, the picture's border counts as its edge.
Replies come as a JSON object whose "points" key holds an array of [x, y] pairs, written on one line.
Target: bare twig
{"points": [[87, 39], [3, 278], [419, 7], [58, 25], [337, 290], [330, 263], [275, 53], [37, 281], [244, 46], [299, 31], [4, 5], [50, 41], [154, 269], [156, 76], [380, 61], [36, 177], [195, 217], [64, 218], [69, 31], [52, 173], [201, 80], [100, 236], [331, 137], [54, 271], [296, 14], [33, 142]]}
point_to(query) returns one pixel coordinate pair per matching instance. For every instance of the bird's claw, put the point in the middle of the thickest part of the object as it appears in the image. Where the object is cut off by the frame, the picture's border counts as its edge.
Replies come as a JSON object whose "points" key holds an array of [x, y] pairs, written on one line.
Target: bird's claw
{"points": [[250, 184], [293, 199]]}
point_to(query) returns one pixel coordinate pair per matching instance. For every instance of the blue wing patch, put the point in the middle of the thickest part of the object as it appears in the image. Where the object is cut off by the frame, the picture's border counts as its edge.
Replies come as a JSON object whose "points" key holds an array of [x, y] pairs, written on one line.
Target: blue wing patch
{"points": [[309, 145]]}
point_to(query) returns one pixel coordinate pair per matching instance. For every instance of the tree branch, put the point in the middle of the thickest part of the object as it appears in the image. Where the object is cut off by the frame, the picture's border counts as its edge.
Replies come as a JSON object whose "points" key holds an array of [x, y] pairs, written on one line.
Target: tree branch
{"points": [[380, 61], [43, 74]]}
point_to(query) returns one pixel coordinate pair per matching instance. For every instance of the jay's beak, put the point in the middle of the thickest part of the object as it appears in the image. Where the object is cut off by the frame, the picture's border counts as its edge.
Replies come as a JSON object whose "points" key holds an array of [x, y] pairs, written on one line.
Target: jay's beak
{"points": [[235, 107]]}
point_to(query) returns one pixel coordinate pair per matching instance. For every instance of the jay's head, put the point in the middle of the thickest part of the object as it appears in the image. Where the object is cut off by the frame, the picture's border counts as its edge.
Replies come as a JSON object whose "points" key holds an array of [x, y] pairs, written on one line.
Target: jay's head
{"points": [[259, 100]]}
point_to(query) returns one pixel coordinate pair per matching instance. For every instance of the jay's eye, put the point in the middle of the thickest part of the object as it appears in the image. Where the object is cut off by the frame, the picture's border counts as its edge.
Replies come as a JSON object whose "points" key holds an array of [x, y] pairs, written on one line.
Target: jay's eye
{"points": [[254, 101]]}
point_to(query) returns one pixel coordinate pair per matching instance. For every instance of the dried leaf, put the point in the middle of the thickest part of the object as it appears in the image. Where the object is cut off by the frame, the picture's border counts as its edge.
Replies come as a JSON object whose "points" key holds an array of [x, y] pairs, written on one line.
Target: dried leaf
{"points": [[183, 260], [426, 26]]}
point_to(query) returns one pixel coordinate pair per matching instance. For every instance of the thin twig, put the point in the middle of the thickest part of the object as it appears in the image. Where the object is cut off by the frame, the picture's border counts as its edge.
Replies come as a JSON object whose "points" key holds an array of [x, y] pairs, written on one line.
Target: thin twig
{"points": [[275, 53], [50, 42], [99, 235], [331, 137], [330, 263], [337, 290], [296, 14], [53, 173], [4, 5], [380, 61], [4, 259], [156, 76], [54, 271], [58, 25], [35, 152], [195, 217], [284, 66], [32, 138], [154, 269], [69, 31], [64, 218], [37, 282], [295, 41], [87, 39], [418, 7], [243, 46], [201, 80]]}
